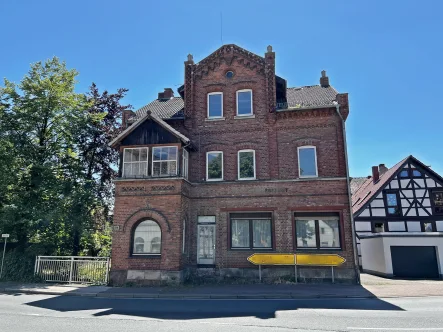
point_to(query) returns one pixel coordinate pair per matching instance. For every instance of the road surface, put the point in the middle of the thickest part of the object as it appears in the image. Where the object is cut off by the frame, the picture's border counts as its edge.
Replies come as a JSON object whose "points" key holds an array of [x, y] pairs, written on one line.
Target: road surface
{"points": [[70, 313]]}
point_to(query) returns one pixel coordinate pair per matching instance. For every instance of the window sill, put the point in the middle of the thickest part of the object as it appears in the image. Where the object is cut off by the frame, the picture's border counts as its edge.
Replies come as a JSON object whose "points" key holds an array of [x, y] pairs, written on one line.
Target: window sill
{"points": [[214, 180], [215, 119], [253, 249], [145, 256], [318, 249], [307, 177], [252, 116], [247, 179]]}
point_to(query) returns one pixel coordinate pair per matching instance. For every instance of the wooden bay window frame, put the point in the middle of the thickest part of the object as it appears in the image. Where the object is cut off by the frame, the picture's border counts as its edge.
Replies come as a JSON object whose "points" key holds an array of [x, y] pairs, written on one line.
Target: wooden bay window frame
{"points": [[168, 160], [125, 150]]}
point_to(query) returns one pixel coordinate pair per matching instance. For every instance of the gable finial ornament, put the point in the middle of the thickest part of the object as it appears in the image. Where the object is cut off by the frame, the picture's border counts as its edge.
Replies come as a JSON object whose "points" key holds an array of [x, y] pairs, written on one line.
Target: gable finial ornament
{"points": [[269, 49], [190, 57]]}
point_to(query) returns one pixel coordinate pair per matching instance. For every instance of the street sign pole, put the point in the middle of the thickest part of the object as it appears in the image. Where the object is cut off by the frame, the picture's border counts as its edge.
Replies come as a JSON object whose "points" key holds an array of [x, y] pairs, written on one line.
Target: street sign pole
{"points": [[5, 236]]}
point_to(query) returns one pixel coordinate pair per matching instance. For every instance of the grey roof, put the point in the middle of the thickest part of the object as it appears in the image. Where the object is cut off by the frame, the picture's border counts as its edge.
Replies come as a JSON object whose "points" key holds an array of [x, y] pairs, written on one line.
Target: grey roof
{"points": [[163, 108], [310, 96], [306, 96]]}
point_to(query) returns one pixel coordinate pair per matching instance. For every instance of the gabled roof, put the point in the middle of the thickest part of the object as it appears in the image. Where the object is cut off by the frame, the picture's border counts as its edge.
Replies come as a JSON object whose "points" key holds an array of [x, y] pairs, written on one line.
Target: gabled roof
{"points": [[356, 183], [368, 189], [153, 117], [311, 96]]}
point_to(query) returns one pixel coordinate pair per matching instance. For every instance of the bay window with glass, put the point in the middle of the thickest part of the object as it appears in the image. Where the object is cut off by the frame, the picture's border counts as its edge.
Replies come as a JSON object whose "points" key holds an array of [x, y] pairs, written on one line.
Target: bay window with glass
{"points": [[251, 230], [317, 232], [135, 162]]}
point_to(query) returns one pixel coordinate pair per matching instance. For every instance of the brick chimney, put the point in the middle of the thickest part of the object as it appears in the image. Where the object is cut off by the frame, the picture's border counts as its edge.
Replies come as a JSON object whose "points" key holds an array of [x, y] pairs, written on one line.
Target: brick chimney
{"points": [[375, 174], [324, 80], [167, 94], [382, 169], [125, 116]]}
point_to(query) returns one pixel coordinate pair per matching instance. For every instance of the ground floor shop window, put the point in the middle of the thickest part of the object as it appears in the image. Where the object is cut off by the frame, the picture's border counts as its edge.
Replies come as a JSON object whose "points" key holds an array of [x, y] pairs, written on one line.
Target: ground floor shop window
{"points": [[251, 230], [317, 231]]}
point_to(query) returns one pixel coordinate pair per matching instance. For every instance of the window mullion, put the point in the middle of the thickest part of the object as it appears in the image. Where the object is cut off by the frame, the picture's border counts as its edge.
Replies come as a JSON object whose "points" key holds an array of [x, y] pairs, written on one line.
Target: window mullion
{"points": [[317, 234], [251, 234]]}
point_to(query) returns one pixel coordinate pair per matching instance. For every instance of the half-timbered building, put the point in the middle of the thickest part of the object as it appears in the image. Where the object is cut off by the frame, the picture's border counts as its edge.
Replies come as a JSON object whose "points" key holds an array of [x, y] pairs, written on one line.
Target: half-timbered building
{"points": [[398, 214], [237, 163]]}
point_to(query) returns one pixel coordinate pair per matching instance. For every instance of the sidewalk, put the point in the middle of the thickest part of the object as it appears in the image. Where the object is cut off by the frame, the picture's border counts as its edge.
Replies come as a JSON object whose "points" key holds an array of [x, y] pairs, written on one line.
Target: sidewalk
{"points": [[371, 287]]}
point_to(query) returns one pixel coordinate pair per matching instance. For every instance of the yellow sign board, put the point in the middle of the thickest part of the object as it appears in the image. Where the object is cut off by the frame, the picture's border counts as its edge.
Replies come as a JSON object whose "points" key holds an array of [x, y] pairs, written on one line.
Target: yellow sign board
{"points": [[272, 259], [320, 259], [297, 259]]}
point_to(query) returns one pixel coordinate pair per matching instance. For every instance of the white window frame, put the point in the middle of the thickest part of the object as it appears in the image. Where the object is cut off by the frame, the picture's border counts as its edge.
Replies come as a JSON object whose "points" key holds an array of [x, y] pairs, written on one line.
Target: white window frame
{"points": [[207, 164], [133, 162], [315, 158], [158, 161], [185, 168], [146, 253], [252, 109], [238, 164], [207, 101]]}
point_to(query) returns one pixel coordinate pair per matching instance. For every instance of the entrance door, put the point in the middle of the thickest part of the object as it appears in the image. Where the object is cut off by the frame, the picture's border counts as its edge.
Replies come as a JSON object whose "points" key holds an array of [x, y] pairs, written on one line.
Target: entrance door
{"points": [[414, 262], [206, 244]]}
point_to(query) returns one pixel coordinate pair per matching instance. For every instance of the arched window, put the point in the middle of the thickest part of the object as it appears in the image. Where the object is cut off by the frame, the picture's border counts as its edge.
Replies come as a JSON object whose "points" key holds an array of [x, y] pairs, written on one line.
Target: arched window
{"points": [[147, 238]]}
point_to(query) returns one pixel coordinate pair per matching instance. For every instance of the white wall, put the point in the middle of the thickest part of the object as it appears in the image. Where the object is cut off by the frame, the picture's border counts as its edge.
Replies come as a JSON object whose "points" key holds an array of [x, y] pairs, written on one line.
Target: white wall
{"points": [[372, 254]]}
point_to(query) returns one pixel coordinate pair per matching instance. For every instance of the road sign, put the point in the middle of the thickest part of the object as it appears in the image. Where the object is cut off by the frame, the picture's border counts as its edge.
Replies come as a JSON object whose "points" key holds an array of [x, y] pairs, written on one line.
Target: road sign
{"points": [[5, 235], [272, 259], [297, 259], [320, 259]]}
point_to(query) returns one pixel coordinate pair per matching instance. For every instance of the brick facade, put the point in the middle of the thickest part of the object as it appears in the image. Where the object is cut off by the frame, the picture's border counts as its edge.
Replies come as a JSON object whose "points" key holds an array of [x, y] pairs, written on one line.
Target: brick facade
{"points": [[176, 203]]}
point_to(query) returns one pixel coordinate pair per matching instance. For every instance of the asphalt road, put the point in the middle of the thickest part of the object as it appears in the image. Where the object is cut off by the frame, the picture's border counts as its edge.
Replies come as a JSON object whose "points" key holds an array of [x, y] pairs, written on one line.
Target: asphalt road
{"points": [[56, 314]]}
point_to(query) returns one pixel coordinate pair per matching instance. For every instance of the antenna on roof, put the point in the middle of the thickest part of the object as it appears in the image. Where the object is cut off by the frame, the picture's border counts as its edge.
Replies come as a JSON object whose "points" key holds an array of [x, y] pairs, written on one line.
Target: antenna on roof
{"points": [[221, 27]]}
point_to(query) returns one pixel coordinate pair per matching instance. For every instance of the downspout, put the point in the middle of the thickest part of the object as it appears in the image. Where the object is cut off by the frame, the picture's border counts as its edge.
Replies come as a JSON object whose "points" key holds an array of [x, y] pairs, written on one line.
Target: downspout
{"points": [[354, 243]]}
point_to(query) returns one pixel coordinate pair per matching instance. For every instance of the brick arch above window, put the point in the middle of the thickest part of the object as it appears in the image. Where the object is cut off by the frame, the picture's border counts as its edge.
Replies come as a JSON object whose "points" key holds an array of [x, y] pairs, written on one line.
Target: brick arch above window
{"points": [[140, 215], [302, 141], [246, 145], [215, 147]]}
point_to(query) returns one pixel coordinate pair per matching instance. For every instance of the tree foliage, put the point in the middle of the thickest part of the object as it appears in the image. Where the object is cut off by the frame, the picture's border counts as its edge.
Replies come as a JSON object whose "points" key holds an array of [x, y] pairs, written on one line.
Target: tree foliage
{"points": [[56, 168]]}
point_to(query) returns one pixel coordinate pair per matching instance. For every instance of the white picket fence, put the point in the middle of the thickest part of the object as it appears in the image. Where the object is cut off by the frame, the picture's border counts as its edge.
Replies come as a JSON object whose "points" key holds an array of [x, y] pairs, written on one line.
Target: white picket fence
{"points": [[73, 269]]}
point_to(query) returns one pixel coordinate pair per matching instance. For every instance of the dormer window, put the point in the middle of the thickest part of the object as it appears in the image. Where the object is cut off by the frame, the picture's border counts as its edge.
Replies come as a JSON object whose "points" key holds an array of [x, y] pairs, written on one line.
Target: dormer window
{"points": [[244, 102], [215, 105]]}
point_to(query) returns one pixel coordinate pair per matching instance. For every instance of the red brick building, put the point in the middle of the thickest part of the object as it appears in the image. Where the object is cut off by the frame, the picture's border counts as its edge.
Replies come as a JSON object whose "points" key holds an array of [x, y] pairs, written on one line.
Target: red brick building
{"points": [[236, 164]]}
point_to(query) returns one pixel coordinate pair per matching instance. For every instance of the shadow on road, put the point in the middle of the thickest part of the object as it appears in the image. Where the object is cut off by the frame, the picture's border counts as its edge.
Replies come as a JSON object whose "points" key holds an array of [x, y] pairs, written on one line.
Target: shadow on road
{"points": [[202, 308]]}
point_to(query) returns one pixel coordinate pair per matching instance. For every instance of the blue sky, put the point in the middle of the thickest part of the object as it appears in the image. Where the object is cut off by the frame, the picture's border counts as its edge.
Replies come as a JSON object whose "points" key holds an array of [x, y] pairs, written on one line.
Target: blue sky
{"points": [[385, 54]]}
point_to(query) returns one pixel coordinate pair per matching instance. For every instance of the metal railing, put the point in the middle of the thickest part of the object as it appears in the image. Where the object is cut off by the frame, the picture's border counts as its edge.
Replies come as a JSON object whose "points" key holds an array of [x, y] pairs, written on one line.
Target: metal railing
{"points": [[73, 269]]}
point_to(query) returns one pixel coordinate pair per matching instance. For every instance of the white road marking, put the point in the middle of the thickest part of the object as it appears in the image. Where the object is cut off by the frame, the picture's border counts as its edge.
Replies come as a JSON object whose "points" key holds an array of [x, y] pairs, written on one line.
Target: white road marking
{"points": [[396, 328]]}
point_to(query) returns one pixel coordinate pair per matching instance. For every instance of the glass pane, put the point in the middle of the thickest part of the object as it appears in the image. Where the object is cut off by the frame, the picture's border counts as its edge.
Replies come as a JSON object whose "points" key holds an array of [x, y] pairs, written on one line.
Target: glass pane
{"points": [[379, 227], [143, 168], [307, 162], [246, 165], [127, 169], [416, 173], [215, 105], [164, 168], [147, 238], [127, 155], [261, 231], [172, 153], [329, 234], [244, 103], [438, 201], [306, 233], [156, 169], [144, 155], [214, 165], [393, 210], [172, 168], [427, 227], [240, 233], [135, 169], [391, 199], [404, 173], [156, 153], [135, 154], [206, 242]]}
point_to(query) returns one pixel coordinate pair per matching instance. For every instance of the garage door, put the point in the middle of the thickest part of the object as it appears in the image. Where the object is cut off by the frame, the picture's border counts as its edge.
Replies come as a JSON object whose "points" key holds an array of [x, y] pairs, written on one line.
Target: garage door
{"points": [[414, 262]]}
